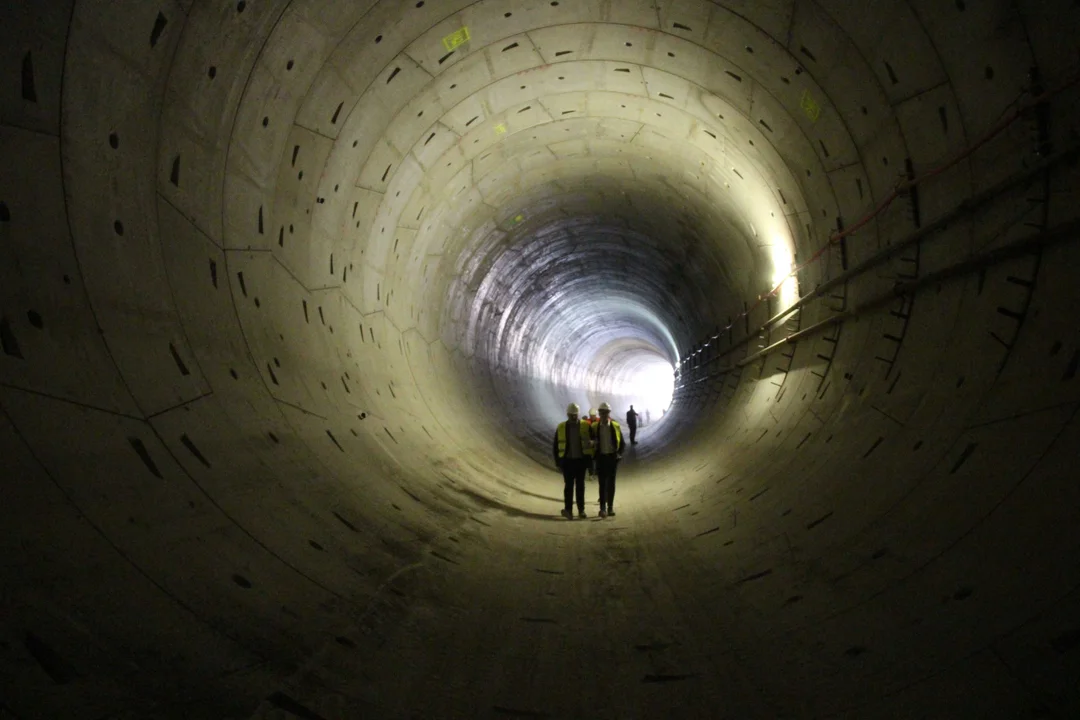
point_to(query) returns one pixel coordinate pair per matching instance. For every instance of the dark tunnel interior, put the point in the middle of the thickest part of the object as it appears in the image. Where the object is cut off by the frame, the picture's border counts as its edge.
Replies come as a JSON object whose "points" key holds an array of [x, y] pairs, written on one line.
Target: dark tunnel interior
{"points": [[293, 294]]}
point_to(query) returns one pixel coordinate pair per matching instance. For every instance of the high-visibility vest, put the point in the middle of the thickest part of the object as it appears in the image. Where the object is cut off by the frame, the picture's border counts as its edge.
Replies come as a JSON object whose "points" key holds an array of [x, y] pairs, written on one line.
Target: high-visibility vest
{"points": [[618, 435], [583, 429]]}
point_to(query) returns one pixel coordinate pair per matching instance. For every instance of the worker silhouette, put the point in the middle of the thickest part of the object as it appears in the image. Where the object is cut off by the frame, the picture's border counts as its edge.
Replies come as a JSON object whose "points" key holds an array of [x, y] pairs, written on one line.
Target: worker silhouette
{"points": [[608, 448], [572, 449], [631, 422], [592, 420]]}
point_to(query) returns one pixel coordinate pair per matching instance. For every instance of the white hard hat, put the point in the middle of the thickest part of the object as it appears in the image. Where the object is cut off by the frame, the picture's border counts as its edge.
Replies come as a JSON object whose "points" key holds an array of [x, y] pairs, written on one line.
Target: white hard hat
{"points": [[605, 406], [572, 409], [592, 411]]}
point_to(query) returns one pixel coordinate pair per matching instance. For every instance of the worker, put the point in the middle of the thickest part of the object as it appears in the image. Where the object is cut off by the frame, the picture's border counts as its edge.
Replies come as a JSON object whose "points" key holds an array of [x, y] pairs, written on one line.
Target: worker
{"points": [[631, 422], [608, 448], [592, 420], [572, 449]]}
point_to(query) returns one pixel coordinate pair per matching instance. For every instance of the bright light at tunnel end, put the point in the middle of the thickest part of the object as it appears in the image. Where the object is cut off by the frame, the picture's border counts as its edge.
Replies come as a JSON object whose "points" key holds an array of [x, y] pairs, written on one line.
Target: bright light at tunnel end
{"points": [[650, 387]]}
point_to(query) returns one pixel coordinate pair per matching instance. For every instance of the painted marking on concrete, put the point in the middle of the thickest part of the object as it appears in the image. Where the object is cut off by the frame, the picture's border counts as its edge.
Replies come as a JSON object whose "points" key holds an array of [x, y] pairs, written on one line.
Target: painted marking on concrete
{"points": [[456, 38], [757, 495], [681, 507], [549, 621], [708, 532], [810, 106], [549, 572]]}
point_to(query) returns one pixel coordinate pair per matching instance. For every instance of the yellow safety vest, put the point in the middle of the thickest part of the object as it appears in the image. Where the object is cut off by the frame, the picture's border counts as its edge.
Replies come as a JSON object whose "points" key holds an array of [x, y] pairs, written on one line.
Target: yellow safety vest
{"points": [[618, 435], [584, 430]]}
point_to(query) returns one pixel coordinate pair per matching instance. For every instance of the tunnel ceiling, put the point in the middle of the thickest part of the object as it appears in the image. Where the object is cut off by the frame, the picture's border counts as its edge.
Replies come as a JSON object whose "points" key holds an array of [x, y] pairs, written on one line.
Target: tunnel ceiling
{"points": [[294, 292]]}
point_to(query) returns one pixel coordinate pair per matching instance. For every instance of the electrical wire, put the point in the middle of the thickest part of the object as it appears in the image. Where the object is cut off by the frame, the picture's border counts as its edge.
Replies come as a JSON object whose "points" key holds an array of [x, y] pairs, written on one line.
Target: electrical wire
{"points": [[903, 188]]}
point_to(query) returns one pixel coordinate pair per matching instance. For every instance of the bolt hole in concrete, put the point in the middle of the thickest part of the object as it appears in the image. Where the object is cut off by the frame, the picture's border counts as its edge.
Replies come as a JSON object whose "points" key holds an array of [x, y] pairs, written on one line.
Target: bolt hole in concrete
{"points": [[642, 239]]}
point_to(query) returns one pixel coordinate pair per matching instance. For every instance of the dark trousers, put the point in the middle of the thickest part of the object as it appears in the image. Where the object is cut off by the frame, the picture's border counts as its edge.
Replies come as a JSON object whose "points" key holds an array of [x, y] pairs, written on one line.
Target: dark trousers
{"points": [[633, 434], [573, 473], [606, 465]]}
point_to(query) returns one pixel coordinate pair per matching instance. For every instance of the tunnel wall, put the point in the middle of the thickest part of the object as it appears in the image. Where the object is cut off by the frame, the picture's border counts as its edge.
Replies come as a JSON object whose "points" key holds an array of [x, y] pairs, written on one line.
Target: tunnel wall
{"points": [[210, 478]]}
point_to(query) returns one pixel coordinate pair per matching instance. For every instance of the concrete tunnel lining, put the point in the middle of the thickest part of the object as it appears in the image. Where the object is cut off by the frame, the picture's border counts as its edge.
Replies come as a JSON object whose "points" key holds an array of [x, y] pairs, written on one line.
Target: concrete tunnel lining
{"points": [[293, 293]]}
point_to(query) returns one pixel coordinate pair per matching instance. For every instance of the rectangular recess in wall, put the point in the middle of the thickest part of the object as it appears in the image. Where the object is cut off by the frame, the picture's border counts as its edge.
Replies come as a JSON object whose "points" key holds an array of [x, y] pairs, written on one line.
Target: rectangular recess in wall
{"points": [[59, 670], [963, 457], [144, 455], [873, 447], [8, 341], [191, 448], [178, 360]]}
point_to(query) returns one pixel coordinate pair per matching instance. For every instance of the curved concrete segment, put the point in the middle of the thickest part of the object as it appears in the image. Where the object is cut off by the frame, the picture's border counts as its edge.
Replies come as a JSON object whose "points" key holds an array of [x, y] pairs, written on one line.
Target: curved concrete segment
{"points": [[294, 293]]}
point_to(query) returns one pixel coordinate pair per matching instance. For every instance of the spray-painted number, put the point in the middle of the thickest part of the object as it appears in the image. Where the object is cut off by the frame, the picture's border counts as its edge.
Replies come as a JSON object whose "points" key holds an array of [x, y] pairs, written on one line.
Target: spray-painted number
{"points": [[810, 106], [458, 37]]}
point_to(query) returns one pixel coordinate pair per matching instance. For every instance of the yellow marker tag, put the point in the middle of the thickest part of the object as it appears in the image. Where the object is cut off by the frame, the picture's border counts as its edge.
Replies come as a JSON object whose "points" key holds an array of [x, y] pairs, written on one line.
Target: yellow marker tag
{"points": [[518, 218], [500, 129], [459, 37], [810, 106]]}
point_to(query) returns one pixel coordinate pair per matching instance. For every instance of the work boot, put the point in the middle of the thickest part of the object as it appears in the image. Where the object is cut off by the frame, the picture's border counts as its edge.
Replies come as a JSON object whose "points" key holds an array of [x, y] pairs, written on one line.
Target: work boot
{"points": [[567, 514], [603, 513], [581, 514], [611, 511]]}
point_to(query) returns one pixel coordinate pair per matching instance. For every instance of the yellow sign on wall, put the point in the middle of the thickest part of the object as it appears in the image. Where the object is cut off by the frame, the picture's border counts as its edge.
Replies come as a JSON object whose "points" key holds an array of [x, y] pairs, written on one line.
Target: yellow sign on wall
{"points": [[454, 39], [810, 106]]}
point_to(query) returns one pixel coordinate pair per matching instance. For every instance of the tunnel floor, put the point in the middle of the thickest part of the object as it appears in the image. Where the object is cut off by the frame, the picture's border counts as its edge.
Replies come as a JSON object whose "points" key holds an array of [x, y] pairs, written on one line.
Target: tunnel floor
{"points": [[570, 619]]}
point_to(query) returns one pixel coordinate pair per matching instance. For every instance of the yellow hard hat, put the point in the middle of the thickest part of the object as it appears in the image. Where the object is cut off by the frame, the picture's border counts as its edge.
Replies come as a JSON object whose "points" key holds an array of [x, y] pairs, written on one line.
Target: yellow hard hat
{"points": [[572, 409]]}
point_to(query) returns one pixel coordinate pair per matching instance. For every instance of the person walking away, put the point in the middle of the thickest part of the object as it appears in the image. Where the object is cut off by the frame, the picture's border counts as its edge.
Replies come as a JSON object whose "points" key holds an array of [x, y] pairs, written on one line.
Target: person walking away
{"points": [[608, 448], [592, 420], [572, 449], [631, 422]]}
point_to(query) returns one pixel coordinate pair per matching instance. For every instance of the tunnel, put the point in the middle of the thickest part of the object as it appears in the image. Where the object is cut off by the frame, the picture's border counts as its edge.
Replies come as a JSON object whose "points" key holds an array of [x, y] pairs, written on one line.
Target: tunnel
{"points": [[295, 293]]}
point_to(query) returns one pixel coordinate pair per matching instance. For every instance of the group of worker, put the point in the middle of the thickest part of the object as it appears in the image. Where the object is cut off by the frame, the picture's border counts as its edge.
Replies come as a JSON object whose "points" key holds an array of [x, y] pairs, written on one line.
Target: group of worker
{"points": [[590, 445]]}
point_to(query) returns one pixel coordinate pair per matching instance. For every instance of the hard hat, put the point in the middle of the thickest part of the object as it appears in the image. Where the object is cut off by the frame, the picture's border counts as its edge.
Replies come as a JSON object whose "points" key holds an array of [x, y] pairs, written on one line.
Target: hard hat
{"points": [[605, 406], [592, 411], [572, 409]]}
